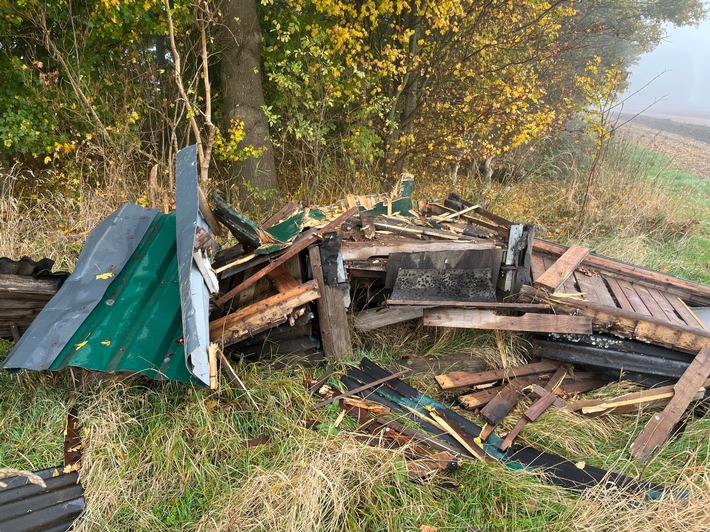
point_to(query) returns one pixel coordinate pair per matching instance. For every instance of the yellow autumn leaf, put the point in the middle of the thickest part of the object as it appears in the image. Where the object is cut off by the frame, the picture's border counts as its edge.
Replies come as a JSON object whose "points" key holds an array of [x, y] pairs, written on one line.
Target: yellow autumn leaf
{"points": [[106, 275], [80, 345], [106, 343]]}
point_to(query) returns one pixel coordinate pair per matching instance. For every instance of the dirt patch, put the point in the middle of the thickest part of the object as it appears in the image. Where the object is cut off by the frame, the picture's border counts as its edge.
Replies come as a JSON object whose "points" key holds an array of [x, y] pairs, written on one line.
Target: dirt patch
{"points": [[686, 140]]}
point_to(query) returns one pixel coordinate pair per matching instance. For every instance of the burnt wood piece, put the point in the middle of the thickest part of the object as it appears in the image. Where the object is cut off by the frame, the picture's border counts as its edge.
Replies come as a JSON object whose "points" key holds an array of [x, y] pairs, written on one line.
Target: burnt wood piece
{"points": [[560, 271], [225, 256], [695, 293], [451, 259], [487, 319], [299, 245], [262, 315], [615, 355], [332, 314], [660, 425], [460, 379], [537, 409], [367, 225], [627, 324], [374, 318], [414, 230], [354, 251], [284, 212]]}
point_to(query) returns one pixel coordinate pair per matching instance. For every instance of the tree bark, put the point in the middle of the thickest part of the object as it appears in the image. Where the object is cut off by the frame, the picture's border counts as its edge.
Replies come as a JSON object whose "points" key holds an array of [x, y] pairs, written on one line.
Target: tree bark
{"points": [[243, 98]]}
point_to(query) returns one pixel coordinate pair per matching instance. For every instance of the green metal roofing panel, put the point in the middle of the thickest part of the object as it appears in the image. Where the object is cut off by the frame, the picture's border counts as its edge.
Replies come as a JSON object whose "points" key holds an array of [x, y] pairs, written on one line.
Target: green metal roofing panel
{"points": [[137, 325]]}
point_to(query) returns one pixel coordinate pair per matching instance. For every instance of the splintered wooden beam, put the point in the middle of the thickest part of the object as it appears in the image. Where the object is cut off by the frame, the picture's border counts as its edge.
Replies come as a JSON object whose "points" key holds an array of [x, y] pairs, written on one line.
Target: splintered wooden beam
{"points": [[261, 315], [537, 409], [560, 271], [487, 319], [460, 436], [362, 388], [660, 425], [299, 245], [460, 379]]}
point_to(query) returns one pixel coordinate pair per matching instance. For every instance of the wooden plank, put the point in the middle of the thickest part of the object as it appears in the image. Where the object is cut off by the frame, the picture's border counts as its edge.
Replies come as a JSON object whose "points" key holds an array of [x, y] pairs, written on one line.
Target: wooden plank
{"points": [[537, 408], [506, 400], [586, 288], [460, 379], [299, 245], [594, 284], [364, 250], [668, 309], [461, 436], [627, 324], [652, 305], [537, 266], [262, 315], [619, 294], [560, 271], [282, 279], [685, 313], [696, 293], [633, 298], [12, 285], [486, 319], [332, 314], [523, 307], [421, 231], [660, 425], [371, 319]]}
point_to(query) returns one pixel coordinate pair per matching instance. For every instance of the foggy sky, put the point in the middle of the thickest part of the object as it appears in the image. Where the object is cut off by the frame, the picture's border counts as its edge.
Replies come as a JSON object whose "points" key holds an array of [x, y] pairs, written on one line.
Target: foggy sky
{"points": [[685, 56]]}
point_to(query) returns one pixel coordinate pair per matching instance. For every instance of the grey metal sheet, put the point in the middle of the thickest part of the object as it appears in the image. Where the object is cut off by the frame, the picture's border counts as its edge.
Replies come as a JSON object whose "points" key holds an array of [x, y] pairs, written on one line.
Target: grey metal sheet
{"points": [[106, 251], [194, 294], [27, 507]]}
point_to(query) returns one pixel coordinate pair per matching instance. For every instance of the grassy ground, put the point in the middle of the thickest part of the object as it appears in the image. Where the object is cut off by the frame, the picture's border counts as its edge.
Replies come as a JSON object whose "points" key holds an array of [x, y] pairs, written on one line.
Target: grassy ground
{"points": [[165, 456]]}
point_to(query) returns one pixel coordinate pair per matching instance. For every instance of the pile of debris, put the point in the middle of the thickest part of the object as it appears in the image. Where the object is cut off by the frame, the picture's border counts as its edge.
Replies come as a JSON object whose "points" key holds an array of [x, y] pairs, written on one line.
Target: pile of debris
{"points": [[151, 294]]}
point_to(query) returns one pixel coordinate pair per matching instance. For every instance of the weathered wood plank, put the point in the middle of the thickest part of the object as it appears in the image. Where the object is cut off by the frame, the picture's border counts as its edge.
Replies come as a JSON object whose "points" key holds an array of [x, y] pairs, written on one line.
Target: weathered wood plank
{"points": [[523, 307], [619, 294], [12, 285], [660, 425], [332, 314], [506, 400], [560, 271], [684, 312], [627, 324], [371, 319], [633, 298], [694, 292], [668, 309], [652, 305], [537, 265], [364, 250], [486, 319], [596, 285], [282, 279], [587, 288], [460, 379]]}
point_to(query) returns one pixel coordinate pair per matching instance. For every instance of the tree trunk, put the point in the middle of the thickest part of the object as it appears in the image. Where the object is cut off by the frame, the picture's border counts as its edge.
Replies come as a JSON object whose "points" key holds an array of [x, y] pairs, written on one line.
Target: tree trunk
{"points": [[243, 98]]}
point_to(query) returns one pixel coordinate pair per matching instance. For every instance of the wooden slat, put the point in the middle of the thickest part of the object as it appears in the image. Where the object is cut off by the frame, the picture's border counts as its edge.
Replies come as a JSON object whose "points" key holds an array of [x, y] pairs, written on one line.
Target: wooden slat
{"points": [[538, 266], [694, 292], [563, 267], [460, 379], [364, 250], [282, 279], [668, 309], [486, 319], [619, 294], [506, 400], [587, 288], [594, 284], [371, 319], [660, 425], [686, 315], [627, 324], [653, 307], [633, 298], [522, 307]]}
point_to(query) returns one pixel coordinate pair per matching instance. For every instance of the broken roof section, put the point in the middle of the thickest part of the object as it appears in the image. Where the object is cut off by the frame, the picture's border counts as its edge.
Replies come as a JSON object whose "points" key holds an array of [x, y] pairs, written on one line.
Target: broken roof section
{"points": [[134, 290]]}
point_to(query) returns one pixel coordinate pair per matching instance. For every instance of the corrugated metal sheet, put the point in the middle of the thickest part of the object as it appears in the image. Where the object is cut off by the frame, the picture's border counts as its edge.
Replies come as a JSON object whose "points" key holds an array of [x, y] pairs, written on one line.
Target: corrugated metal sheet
{"points": [[194, 295], [26, 507], [106, 251]]}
